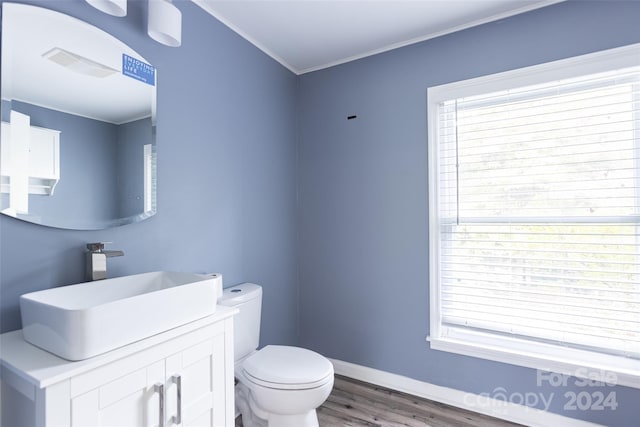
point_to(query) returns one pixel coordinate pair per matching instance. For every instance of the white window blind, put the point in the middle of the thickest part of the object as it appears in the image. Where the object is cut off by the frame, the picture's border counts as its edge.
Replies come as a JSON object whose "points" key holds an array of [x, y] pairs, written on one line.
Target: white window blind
{"points": [[538, 213], [149, 179]]}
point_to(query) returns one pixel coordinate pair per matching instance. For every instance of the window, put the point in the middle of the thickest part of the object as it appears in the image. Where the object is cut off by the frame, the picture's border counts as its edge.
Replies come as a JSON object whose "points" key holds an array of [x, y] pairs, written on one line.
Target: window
{"points": [[149, 156], [535, 216]]}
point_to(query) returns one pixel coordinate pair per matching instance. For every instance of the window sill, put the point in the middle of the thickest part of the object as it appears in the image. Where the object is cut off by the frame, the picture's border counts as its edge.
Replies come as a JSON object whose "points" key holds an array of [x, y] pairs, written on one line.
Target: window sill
{"points": [[610, 369]]}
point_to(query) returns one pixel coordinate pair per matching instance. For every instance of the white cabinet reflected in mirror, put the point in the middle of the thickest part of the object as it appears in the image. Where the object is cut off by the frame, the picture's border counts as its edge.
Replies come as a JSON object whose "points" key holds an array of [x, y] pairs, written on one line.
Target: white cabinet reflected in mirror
{"points": [[77, 149]]}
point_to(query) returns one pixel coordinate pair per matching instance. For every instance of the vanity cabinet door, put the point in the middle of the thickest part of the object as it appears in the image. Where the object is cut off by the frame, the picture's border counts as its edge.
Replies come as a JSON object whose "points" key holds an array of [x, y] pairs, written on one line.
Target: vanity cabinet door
{"points": [[129, 401], [199, 372], [193, 382]]}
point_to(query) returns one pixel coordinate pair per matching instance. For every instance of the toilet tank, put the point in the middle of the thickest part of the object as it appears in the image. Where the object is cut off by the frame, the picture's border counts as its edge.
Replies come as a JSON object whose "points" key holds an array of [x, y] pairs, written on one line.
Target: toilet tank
{"points": [[247, 297]]}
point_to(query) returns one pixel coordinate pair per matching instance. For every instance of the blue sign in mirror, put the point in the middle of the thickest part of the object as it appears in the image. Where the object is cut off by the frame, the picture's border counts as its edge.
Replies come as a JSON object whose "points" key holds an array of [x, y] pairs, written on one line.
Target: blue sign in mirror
{"points": [[138, 70]]}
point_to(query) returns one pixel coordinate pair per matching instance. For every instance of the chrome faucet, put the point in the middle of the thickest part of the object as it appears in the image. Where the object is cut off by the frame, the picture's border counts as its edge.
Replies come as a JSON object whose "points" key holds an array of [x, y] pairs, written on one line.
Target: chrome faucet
{"points": [[97, 260]]}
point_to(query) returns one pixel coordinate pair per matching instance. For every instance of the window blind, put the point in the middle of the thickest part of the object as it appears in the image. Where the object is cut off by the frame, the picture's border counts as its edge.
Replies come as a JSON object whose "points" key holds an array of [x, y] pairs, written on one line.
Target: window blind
{"points": [[539, 212], [150, 183]]}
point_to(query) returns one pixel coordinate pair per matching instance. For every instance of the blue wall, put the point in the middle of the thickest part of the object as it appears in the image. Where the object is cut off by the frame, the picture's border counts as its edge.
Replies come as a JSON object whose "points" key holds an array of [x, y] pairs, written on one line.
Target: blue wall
{"points": [[226, 143], [364, 289]]}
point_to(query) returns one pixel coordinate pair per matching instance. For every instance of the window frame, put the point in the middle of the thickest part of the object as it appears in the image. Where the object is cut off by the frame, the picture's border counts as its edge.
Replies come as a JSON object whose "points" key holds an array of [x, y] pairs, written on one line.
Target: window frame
{"points": [[517, 351]]}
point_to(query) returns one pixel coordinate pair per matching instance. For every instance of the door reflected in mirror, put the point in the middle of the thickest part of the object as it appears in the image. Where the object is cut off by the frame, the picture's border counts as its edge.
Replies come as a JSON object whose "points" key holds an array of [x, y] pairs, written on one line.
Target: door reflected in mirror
{"points": [[78, 123]]}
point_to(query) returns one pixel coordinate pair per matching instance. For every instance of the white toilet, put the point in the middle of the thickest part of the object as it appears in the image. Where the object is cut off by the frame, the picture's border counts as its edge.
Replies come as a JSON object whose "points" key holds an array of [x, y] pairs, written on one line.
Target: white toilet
{"points": [[278, 386]]}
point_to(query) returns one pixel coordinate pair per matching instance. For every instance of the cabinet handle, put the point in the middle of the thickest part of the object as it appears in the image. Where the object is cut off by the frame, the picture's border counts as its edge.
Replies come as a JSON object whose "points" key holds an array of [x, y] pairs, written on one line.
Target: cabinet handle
{"points": [[177, 379], [159, 388]]}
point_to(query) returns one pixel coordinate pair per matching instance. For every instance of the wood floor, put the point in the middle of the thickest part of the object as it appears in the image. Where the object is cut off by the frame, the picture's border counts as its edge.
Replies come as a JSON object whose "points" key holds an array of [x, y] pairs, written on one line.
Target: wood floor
{"points": [[355, 403]]}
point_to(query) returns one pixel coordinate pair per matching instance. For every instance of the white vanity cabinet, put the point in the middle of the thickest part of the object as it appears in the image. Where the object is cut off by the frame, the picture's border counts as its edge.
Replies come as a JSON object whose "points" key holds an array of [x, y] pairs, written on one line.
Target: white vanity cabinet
{"points": [[182, 377]]}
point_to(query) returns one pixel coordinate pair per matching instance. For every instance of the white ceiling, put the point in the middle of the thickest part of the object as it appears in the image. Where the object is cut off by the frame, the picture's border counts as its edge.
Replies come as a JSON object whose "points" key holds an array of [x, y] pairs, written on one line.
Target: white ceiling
{"points": [[307, 35]]}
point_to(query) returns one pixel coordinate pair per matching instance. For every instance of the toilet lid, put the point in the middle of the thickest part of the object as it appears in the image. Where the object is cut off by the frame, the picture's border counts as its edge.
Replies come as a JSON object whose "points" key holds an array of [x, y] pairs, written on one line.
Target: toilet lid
{"points": [[288, 366]]}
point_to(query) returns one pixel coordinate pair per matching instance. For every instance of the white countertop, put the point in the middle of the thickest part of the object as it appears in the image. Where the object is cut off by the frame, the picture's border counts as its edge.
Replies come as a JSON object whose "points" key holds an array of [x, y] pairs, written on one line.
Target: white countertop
{"points": [[42, 368]]}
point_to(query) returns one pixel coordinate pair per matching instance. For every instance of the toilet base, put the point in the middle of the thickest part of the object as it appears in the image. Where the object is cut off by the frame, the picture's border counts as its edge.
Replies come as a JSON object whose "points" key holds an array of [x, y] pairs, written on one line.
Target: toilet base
{"points": [[254, 416], [310, 419]]}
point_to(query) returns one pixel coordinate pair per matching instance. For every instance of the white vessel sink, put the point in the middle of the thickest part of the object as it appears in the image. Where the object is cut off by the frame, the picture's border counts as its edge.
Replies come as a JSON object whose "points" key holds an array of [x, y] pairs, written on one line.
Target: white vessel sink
{"points": [[81, 321]]}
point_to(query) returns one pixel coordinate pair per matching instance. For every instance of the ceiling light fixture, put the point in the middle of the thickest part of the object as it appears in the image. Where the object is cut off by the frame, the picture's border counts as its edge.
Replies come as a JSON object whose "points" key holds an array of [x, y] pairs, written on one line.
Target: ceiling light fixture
{"points": [[165, 23], [112, 7], [78, 63]]}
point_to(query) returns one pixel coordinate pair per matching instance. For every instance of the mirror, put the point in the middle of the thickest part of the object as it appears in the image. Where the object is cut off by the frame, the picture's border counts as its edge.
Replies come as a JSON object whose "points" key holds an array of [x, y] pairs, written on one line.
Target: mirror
{"points": [[78, 123]]}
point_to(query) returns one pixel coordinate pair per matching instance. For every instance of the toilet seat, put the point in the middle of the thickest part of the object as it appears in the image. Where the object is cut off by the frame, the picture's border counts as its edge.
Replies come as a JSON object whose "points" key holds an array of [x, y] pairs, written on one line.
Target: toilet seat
{"points": [[287, 368]]}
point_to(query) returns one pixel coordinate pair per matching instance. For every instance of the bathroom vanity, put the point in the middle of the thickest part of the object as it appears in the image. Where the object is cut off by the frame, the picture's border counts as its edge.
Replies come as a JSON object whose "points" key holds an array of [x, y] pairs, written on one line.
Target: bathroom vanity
{"points": [[181, 377]]}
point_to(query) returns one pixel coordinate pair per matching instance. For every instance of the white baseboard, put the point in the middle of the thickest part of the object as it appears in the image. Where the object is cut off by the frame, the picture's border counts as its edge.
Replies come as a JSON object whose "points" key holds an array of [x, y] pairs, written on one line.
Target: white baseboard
{"points": [[497, 408]]}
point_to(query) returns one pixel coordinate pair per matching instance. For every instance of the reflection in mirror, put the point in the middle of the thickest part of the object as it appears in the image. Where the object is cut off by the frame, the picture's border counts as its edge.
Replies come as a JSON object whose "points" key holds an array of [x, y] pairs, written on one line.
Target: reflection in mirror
{"points": [[78, 123]]}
